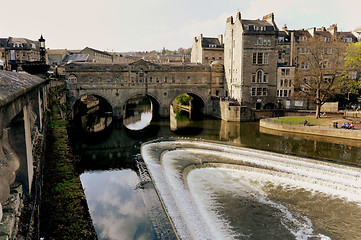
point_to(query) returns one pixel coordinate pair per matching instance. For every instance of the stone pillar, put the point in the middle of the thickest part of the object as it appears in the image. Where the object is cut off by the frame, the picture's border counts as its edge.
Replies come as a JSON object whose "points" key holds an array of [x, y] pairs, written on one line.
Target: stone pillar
{"points": [[45, 97], [40, 112], [28, 145]]}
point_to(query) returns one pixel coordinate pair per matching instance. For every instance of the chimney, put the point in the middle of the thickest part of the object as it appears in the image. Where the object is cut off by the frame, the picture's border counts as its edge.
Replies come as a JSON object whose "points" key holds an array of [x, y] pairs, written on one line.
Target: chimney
{"points": [[270, 18], [230, 20], [220, 39], [332, 29], [238, 16]]}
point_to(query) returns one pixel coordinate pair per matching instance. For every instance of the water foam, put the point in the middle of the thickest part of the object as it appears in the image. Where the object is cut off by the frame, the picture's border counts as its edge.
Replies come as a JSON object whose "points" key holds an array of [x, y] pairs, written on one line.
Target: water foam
{"points": [[194, 211]]}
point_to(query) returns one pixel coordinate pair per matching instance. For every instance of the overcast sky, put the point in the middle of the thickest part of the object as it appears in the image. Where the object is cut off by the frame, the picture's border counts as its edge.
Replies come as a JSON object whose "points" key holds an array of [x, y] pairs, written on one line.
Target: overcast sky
{"points": [[141, 25]]}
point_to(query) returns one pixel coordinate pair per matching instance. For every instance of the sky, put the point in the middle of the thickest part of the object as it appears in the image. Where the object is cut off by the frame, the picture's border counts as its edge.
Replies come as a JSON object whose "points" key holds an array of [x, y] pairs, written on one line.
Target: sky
{"points": [[144, 25]]}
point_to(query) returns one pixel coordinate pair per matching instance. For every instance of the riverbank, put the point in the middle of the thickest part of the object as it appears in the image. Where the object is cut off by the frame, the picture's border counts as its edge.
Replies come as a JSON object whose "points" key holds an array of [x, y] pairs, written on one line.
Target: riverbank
{"points": [[324, 127], [64, 211]]}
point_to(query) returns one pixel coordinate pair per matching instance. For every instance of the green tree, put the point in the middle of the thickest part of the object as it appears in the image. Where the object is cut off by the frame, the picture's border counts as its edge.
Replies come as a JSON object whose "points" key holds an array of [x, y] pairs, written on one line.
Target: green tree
{"points": [[320, 63], [183, 99], [351, 75]]}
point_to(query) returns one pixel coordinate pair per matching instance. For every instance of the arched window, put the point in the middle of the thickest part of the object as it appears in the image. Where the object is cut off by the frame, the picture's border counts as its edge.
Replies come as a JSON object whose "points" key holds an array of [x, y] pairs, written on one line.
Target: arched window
{"points": [[261, 77], [72, 79]]}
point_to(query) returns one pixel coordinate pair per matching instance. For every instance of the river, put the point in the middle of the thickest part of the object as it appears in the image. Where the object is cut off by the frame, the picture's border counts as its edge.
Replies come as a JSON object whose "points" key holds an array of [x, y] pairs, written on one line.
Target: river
{"points": [[124, 204]]}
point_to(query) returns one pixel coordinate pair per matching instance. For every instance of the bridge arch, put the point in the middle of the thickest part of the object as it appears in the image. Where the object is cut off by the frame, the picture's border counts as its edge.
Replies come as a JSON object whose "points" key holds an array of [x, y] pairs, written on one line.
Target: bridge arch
{"points": [[96, 94], [197, 102], [154, 101]]}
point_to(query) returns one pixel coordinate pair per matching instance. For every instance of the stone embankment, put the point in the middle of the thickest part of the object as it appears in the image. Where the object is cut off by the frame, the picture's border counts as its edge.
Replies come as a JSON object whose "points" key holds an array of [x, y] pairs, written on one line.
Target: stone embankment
{"points": [[312, 130], [64, 210]]}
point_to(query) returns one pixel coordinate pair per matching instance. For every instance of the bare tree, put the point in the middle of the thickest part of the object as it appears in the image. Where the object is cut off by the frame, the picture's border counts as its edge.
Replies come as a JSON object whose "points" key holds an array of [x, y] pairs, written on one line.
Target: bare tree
{"points": [[320, 61]]}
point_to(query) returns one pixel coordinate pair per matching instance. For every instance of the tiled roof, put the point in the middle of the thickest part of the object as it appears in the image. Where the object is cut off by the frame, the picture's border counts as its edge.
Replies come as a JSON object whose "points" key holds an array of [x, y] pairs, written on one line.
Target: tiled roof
{"points": [[76, 57], [97, 51], [211, 42], [254, 24]]}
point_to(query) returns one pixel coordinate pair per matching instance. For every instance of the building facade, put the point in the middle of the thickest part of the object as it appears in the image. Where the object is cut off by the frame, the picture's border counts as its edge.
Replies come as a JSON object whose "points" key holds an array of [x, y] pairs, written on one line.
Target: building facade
{"points": [[206, 50], [251, 61], [17, 51]]}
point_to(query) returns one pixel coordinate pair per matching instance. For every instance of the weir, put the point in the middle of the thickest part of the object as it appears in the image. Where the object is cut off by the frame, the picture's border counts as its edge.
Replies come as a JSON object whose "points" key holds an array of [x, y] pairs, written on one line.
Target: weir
{"points": [[232, 195]]}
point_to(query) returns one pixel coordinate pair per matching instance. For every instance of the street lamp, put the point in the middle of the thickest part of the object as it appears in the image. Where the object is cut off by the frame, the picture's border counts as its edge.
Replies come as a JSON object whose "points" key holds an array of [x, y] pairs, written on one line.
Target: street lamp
{"points": [[42, 48]]}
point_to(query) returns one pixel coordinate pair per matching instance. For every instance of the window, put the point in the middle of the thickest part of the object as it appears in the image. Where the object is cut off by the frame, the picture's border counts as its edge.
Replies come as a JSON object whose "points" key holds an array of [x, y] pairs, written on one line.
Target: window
{"points": [[72, 79], [264, 91], [289, 93], [260, 58], [253, 78], [285, 93], [220, 56], [302, 38], [347, 40], [327, 39], [259, 91], [305, 65], [281, 83], [290, 83], [303, 50], [259, 76], [285, 72], [253, 93], [278, 93], [150, 79], [265, 78]]}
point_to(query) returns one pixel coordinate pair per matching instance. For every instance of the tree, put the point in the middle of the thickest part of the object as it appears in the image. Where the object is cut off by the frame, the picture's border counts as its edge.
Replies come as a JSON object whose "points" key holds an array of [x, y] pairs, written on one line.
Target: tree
{"points": [[320, 63], [351, 75]]}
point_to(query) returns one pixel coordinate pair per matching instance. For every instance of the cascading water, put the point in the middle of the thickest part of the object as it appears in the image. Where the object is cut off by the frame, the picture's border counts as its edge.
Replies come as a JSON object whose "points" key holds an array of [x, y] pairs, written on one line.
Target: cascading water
{"points": [[216, 191]]}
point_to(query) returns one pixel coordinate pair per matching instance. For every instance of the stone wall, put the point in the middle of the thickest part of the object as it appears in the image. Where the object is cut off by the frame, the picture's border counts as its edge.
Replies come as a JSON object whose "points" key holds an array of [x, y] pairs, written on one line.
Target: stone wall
{"points": [[320, 131]]}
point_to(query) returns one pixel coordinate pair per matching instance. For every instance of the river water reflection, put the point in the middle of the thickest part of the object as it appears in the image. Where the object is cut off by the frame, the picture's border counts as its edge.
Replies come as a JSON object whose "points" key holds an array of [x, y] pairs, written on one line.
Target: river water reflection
{"points": [[122, 200]]}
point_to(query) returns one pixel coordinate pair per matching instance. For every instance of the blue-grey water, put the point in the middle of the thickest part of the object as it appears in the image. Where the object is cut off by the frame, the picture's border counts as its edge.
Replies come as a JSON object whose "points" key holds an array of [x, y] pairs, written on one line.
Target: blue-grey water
{"points": [[122, 199]]}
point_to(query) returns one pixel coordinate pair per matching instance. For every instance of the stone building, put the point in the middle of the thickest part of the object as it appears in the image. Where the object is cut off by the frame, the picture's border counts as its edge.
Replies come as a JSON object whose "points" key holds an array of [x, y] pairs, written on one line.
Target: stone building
{"points": [[206, 50], [291, 45], [16, 51], [250, 62], [56, 56], [97, 56]]}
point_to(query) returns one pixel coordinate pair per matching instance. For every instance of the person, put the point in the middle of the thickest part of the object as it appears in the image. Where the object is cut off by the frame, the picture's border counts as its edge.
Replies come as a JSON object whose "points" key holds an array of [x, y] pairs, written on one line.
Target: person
{"points": [[352, 126], [343, 125], [305, 122], [347, 126]]}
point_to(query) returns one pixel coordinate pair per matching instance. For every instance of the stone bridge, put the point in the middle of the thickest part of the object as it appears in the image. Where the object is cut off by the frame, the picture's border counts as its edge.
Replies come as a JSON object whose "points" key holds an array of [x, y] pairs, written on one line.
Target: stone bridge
{"points": [[162, 83], [23, 99]]}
